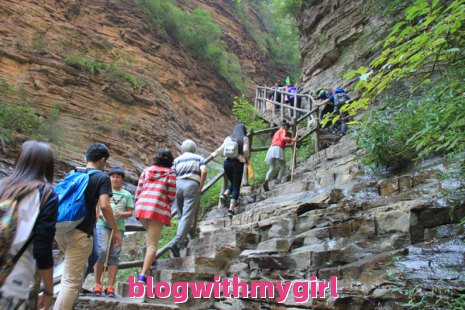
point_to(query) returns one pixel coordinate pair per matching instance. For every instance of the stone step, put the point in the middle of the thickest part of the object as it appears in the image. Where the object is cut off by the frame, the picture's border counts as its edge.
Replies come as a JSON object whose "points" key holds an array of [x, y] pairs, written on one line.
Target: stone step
{"points": [[258, 261], [213, 250], [274, 245], [240, 238], [87, 302], [216, 265]]}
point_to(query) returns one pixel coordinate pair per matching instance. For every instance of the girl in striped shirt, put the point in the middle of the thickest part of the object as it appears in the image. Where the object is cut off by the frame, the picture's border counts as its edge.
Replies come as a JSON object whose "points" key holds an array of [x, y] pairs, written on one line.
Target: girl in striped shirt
{"points": [[155, 194]]}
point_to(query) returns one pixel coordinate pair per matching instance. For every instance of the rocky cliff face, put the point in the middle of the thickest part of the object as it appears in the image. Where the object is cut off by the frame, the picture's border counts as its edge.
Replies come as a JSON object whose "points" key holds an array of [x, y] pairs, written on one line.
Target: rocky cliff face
{"points": [[336, 36], [159, 94]]}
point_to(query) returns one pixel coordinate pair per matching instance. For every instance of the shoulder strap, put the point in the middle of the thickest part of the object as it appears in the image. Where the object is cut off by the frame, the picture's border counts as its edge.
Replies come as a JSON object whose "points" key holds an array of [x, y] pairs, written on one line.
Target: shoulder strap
{"points": [[22, 250], [94, 171], [31, 237]]}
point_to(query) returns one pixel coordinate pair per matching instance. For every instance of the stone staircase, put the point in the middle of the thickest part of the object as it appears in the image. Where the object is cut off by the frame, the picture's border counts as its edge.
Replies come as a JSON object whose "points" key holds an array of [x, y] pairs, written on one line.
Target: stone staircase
{"points": [[383, 236]]}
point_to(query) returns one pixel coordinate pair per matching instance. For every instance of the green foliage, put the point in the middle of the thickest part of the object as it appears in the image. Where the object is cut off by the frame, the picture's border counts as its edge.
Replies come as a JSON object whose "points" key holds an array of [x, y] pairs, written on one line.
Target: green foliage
{"points": [[403, 130], [428, 45], [88, 64], [210, 198], [429, 40], [111, 71], [50, 130], [18, 118], [288, 7], [199, 33], [245, 113], [278, 36], [115, 73], [306, 150], [5, 87]]}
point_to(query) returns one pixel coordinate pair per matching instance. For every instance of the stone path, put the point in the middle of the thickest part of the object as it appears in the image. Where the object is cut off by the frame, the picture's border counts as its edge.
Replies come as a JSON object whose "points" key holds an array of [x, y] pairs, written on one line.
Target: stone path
{"points": [[387, 238]]}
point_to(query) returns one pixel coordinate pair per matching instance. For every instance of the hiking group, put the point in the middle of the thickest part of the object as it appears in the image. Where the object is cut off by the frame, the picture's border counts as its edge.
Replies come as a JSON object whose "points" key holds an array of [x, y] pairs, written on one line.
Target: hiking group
{"points": [[85, 213], [331, 99]]}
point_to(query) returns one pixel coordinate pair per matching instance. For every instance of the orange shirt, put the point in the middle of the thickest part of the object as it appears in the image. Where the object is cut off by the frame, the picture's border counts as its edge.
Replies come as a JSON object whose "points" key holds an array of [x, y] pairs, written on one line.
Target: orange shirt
{"points": [[280, 139]]}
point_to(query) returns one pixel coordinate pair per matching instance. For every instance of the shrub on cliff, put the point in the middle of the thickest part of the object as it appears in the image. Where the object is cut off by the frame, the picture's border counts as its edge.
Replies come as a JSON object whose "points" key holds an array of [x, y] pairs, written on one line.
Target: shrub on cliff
{"points": [[422, 64], [18, 118], [198, 32], [111, 71]]}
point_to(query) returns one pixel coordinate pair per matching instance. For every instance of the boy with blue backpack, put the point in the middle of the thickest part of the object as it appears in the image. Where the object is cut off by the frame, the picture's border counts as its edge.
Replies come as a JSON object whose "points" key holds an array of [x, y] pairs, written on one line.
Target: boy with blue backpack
{"points": [[82, 189]]}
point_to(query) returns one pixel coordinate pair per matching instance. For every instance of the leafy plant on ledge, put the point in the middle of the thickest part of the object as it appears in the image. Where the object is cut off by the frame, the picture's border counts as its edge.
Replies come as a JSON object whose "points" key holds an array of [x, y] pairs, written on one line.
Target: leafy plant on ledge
{"points": [[421, 67]]}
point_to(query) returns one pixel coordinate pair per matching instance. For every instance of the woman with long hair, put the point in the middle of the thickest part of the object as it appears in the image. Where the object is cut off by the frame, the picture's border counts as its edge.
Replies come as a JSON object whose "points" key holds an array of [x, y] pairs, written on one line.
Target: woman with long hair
{"points": [[37, 210], [234, 164], [155, 194]]}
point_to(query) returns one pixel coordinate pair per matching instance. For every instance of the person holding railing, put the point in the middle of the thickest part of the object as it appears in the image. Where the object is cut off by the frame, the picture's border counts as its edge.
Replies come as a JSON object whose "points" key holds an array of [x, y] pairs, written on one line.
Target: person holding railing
{"points": [[236, 150], [278, 86], [336, 99], [294, 92], [324, 95], [276, 153]]}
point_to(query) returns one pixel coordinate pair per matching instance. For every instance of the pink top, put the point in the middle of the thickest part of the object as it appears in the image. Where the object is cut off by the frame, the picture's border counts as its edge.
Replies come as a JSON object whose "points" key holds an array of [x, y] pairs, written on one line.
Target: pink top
{"points": [[155, 193], [280, 139]]}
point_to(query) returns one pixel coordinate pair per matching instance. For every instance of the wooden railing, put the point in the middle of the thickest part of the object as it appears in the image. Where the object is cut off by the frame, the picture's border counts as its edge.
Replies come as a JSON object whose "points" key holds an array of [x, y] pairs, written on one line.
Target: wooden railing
{"points": [[271, 109], [263, 105]]}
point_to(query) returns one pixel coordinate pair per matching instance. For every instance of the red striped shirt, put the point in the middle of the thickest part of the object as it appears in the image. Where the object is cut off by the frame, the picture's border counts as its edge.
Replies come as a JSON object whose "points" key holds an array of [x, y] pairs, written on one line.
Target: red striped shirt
{"points": [[155, 194]]}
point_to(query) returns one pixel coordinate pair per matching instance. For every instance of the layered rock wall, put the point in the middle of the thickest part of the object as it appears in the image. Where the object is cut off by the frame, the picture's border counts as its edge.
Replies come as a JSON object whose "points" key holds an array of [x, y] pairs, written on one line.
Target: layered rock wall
{"points": [[336, 36], [159, 94]]}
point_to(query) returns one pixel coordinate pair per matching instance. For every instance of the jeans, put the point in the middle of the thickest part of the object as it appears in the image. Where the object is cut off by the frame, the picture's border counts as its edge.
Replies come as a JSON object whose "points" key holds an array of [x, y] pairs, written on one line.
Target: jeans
{"points": [[103, 234], [234, 170]]}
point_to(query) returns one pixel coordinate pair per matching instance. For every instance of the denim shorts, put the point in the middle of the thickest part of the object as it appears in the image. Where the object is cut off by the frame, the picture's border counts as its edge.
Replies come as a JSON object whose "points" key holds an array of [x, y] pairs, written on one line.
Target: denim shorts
{"points": [[103, 234]]}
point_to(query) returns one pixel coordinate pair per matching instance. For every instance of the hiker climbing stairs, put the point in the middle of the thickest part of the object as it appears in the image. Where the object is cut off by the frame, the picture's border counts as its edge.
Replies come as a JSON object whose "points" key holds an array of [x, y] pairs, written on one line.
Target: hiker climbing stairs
{"points": [[332, 221]]}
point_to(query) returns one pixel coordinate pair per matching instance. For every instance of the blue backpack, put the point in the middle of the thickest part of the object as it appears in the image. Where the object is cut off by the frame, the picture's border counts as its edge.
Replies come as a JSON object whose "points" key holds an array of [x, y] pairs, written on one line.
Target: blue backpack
{"points": [[340, 98], [72, 206]]}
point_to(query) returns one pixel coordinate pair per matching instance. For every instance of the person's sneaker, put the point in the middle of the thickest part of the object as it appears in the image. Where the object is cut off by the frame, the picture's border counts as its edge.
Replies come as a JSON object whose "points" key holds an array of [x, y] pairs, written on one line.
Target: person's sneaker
{"points": [[110, 291], [142, 278], [85, 292], [265, 186], [223, 201], [231, 213], [185, 243], [97, 290], [175, 250]]}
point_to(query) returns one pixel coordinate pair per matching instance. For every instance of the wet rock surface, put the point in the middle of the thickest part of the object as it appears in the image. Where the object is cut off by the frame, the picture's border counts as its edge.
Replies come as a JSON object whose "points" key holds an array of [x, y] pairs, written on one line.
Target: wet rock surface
{"points": [[389, 249], [385, 236]]}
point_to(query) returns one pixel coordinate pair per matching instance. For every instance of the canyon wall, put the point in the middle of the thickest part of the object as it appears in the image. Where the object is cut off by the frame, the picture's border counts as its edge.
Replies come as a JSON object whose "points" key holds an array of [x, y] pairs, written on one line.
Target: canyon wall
{"points": [[156, 93]]}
